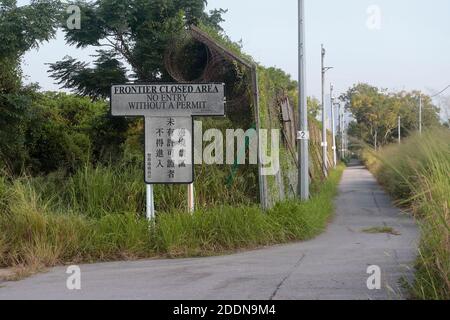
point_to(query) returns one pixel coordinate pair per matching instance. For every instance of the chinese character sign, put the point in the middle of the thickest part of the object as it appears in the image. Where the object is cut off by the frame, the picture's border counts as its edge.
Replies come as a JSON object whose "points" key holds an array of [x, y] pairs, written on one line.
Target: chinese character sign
{"points": [[168, 147]]}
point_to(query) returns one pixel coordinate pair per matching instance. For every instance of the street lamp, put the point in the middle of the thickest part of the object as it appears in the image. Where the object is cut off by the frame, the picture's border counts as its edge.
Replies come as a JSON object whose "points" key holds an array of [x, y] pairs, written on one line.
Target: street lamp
{"points": [[420, 113], [333, 129], [324, 117]]}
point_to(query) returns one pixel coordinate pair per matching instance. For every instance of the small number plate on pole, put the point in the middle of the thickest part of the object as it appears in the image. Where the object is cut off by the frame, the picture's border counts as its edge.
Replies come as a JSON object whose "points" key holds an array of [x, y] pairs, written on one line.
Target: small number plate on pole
{"points": [[303, 135]]}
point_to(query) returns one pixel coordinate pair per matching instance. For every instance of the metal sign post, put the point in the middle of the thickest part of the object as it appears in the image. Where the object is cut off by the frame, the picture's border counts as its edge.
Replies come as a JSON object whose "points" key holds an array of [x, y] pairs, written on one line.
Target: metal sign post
{"points": [[150, 202], [168, 110], [191, 199], [420, 113]]}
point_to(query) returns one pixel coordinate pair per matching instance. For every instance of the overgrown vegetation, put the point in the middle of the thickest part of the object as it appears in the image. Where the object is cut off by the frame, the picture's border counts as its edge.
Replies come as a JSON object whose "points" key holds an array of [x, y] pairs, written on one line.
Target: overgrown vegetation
{"points": [[37, 230], [71, 180], [417, 174]]}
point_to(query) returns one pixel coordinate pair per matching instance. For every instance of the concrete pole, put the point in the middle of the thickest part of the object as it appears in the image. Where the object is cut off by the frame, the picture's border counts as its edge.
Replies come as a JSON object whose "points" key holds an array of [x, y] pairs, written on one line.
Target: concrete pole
{"points": [[333, 128], [345, 138], [420, 113], [399, 130], [303, 144], [324, 119], [341, 130]]}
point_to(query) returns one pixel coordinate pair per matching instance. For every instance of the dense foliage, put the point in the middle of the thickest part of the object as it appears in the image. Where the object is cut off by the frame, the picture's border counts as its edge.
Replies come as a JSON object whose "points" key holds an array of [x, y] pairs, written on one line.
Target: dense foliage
{"points": [[134, 33], [44, 132], [21, 29]]}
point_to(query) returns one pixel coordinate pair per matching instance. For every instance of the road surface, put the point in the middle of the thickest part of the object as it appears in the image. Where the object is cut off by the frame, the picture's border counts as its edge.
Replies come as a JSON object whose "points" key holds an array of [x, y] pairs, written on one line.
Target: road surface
{"points": [[332, 266]]}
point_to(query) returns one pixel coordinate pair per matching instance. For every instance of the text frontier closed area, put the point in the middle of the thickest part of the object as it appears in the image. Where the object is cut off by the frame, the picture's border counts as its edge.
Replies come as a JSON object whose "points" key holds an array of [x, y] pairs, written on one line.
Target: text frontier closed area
{"points": [[164, 99]]}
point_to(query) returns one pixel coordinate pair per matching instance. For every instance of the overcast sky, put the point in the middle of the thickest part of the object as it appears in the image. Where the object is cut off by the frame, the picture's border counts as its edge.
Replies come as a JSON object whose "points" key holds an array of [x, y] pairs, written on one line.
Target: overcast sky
{"points": [[406, 46]]}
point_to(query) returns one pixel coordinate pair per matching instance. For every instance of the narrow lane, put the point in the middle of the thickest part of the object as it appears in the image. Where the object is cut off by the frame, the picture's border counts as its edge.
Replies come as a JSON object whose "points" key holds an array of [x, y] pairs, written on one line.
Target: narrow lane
{"points": [[332, 266]]}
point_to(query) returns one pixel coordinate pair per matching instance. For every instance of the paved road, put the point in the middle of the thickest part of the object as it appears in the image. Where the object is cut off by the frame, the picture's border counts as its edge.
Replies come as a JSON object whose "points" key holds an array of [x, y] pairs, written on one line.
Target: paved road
{"points": [[332, 266]]}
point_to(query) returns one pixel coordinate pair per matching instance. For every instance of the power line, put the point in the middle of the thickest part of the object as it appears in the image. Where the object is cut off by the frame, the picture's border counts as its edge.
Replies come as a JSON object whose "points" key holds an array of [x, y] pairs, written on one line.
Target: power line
{"points": [[437, 94]]}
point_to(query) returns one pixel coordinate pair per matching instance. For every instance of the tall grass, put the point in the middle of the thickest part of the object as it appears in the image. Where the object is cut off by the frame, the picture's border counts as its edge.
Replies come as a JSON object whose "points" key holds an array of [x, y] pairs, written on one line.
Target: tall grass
{"points": [[38, 228], [115, 189], [418, 174], [33, 235], [228, 228]]}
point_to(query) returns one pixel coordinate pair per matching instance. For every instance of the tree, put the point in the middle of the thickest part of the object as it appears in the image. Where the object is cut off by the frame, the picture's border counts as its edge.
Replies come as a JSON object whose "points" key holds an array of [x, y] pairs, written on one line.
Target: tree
{"points": [[376, 113], [131, 37], [91, 82], [314, 107], [135, 33], [21, 29], [409, 111], [370, 107]]}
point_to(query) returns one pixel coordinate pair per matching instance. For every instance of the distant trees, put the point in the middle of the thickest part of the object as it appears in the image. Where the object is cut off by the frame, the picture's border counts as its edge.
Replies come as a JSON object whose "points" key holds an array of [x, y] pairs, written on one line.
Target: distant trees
{"points": [[314, 107], [376, 113]]}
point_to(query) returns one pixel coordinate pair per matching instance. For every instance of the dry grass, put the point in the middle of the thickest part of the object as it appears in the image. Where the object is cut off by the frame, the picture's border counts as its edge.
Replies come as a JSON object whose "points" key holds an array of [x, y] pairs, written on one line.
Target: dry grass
{"points": [[418, 174], [37, 232], [386, 230]]}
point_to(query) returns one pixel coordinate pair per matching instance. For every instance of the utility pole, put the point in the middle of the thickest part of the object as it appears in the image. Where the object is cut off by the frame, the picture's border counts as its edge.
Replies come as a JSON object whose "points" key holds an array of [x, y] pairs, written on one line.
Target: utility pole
{"points": [[345, 138], [399, 130], [341, 130], [303, 134], [324, 117], [420, 113], [333, 127]]}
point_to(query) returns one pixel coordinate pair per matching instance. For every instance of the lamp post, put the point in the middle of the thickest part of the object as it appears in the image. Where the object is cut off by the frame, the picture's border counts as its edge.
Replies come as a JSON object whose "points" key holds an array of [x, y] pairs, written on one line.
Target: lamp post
{"points": [[420, 113], [333, 128], [303, 134], [324, 117], [341, 127]]}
